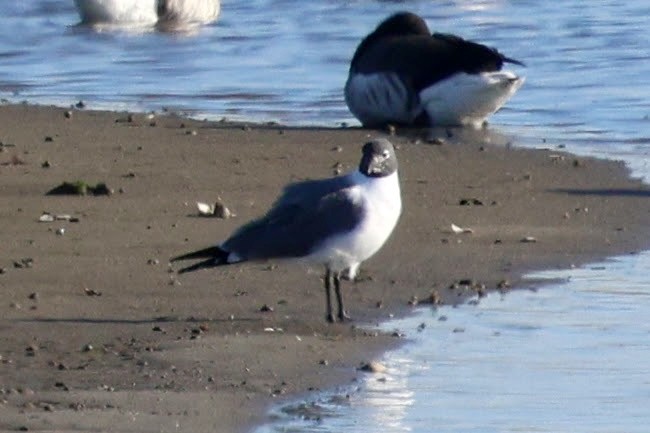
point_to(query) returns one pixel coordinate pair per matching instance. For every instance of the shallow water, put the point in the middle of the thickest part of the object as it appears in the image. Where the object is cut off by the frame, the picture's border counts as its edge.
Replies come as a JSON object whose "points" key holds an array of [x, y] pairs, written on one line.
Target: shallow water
{"points": [[274, 60], [572, 357], [271, 60]]}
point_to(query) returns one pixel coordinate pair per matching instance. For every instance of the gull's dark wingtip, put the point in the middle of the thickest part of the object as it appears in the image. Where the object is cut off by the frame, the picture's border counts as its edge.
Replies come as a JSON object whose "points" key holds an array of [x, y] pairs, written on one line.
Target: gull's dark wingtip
{"points": [[215, 256], [214, 252], [211, 263]]}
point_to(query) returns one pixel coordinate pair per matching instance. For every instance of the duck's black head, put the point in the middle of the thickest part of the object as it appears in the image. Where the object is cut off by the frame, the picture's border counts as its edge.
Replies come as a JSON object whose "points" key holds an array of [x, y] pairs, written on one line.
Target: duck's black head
{"points": [[399, 24], [402, 24]]}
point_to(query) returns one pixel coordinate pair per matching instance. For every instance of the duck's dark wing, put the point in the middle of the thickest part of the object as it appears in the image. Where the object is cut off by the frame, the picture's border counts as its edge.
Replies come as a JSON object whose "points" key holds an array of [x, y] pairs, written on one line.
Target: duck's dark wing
{"points": [[421, 60], [472, 56]]}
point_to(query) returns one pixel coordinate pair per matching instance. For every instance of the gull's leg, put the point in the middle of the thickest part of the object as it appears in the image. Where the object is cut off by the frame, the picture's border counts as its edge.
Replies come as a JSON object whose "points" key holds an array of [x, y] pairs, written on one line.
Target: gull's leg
{"points": [[343, 315], [328, 295]]}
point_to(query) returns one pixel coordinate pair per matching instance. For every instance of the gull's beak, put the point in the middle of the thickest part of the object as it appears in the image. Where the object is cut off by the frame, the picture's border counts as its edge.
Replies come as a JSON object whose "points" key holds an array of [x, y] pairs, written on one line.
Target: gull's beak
{"points": [[376, 165]]}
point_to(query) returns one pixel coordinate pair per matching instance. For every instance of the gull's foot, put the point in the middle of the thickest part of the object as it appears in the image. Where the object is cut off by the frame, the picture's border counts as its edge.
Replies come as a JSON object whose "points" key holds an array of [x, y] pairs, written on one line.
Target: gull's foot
{"points": [[342, 317]]}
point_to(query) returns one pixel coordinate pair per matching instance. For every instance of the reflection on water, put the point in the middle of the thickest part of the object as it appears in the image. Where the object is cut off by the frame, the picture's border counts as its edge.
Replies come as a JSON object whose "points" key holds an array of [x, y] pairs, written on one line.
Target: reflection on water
{"points": [[573, 357]]}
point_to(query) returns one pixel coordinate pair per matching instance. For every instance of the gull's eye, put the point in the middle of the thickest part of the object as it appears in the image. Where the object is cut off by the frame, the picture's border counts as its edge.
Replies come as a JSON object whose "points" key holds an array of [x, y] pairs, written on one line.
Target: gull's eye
{"points": [[386, 154]]}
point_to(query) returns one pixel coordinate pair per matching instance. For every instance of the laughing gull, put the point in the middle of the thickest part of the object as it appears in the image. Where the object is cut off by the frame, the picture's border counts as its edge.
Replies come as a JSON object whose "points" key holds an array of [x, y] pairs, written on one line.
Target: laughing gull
{"points": [[337, 222], [148, 12], [402, 74]]}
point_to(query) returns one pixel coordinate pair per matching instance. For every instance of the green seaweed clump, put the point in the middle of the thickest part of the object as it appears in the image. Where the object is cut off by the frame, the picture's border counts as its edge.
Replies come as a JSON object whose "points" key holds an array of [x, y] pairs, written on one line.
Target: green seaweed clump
{"points": [[80, 187]]}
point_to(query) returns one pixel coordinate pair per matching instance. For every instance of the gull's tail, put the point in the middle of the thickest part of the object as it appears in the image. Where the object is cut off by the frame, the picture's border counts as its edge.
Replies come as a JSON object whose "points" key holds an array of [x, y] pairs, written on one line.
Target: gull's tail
{"points": [[215, 257]]}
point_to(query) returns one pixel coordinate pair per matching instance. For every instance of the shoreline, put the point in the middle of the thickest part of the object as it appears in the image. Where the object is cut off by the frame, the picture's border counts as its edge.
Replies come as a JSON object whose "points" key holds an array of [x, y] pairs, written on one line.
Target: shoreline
{"points": [[193, 351]]}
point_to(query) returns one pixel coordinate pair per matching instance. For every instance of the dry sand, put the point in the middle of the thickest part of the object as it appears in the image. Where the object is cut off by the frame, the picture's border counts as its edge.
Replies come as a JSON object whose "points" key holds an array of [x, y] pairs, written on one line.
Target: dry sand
{"points": [[98, 334]]}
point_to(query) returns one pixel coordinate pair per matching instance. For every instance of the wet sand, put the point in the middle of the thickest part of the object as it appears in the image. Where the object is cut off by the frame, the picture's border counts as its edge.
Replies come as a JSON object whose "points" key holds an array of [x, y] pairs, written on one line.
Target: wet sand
{"points": [[97, 332]]}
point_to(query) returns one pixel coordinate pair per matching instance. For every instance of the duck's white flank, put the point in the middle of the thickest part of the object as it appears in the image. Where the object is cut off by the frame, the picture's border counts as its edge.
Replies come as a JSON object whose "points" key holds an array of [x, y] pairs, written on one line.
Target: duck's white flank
{"points": [[142, 12], [468, 99], [148, 12], [462, 99], [380, 98], [191, 11]]}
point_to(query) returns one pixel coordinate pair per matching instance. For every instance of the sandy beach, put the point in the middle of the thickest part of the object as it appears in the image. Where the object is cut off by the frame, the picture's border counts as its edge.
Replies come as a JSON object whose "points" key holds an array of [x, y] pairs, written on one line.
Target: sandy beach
{"points": [[98, 333]]}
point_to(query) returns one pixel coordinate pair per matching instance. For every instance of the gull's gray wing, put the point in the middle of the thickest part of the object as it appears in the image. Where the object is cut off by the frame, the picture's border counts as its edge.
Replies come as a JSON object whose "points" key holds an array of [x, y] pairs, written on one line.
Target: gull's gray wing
{"points": [[311, 191], [304, 216]]}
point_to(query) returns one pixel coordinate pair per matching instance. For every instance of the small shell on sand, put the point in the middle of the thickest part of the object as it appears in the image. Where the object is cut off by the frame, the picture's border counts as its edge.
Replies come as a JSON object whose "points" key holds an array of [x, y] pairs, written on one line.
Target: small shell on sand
{"points": [[217, 210], [373, 367], [205, 209], [458, 230], [46, 218]]}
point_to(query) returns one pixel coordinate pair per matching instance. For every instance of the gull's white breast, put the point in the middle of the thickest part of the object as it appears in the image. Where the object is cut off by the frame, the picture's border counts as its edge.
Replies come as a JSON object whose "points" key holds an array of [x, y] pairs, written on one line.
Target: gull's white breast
{"points": [[380, 197]]}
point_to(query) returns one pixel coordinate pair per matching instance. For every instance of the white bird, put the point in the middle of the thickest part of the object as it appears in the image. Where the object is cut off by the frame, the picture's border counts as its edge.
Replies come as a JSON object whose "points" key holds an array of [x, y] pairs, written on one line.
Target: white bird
{"points": [[337, 222], [146, 13], [402, 74]]}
